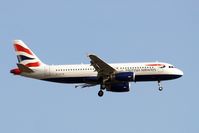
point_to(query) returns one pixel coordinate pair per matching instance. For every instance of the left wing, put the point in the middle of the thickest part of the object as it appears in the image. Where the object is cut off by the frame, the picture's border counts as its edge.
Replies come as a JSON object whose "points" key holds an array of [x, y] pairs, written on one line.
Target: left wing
{"points": [[109, 77], [101, 67]]}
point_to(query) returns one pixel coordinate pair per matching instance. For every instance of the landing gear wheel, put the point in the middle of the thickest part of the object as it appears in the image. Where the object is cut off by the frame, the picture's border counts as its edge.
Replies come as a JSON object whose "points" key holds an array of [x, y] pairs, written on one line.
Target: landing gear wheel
{"points": [[100, 93], [160, 88]]}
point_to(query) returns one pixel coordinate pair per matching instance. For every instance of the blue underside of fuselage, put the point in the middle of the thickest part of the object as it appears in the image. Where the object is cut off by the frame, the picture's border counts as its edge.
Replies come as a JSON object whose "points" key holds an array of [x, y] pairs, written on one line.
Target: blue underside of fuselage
{"points": [[138, 78]]}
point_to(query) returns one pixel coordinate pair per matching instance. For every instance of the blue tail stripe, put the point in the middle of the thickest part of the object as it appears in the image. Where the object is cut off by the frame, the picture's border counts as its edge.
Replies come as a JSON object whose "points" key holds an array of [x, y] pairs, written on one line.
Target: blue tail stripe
{"points": [[22, 58]]}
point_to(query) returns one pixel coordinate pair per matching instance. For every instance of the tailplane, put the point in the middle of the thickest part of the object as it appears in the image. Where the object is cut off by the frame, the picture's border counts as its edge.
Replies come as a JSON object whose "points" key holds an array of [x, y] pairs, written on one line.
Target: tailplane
{"points": [[25, 55], [24, 68]]}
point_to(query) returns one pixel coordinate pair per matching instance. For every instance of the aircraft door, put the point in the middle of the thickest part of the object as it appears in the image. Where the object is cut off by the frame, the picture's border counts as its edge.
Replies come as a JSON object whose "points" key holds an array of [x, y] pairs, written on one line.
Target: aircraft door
{"points": [[160, 69], [46, 71]]}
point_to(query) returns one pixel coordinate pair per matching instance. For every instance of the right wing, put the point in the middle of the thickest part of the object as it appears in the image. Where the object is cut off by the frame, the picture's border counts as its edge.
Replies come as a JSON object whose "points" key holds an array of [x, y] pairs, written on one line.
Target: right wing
{"points": [[85, 85]]}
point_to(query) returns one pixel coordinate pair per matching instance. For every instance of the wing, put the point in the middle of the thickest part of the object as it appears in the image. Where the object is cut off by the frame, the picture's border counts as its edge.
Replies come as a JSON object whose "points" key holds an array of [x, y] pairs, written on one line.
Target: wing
{"points": [[101, 67], [85, 85]]}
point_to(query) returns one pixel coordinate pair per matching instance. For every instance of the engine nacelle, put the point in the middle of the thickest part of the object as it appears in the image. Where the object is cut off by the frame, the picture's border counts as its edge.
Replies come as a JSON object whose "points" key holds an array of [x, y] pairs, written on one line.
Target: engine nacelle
{"points": [[125, 76], [118, 87]]}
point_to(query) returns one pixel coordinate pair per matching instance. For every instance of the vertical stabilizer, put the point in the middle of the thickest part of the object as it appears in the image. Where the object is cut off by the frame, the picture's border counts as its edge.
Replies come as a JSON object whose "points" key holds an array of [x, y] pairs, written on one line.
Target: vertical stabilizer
{"points": [[25, 55]]}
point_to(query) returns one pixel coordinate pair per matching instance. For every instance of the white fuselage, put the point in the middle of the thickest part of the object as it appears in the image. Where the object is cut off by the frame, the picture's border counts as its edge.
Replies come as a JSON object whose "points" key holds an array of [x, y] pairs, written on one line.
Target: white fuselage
{"points": [[149, 71], [112, 77]]}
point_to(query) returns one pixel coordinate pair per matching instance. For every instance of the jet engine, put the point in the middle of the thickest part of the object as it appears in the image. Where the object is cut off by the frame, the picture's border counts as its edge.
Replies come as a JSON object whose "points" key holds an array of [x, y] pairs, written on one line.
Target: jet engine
{"points": [[118, 87], [124, 76]]}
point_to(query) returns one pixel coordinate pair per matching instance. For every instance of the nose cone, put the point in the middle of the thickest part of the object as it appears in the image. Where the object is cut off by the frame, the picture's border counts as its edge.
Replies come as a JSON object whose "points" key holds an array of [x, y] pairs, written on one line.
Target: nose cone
{"points": [[179, 73]]}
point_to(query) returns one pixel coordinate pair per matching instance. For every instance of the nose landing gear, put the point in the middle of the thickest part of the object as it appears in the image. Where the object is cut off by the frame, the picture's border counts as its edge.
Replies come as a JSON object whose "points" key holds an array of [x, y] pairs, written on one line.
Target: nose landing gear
{"points": [[160, 86]]}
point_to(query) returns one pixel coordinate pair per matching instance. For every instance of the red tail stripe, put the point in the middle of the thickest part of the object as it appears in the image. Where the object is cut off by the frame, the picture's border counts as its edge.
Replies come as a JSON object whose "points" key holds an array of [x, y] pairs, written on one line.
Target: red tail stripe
{"points": [[22, 49], [35, 64]]}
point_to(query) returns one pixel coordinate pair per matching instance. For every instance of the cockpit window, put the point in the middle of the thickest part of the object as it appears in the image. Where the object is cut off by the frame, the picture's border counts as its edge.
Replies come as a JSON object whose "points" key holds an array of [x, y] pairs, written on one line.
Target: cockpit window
{"points": [[171, 67], [163, 66]]}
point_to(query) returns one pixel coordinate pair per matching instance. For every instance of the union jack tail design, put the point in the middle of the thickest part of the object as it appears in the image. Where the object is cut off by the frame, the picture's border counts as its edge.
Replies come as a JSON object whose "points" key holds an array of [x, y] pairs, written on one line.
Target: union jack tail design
{"points": [[25, 56]]}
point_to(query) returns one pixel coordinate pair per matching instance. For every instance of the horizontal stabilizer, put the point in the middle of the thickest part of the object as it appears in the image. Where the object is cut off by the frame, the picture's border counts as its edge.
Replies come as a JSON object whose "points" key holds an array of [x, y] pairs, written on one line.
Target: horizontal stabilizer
{"points": [[24, 68]]}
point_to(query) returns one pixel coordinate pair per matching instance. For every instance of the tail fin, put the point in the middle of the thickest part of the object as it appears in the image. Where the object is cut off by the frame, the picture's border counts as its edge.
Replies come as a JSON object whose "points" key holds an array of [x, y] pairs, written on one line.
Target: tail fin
{"points": [[25, 56]]}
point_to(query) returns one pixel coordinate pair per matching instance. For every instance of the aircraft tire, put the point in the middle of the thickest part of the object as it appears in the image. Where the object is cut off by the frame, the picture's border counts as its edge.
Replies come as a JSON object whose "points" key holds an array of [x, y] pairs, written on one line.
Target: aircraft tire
{"points": [[100, 93], [160, 88]]}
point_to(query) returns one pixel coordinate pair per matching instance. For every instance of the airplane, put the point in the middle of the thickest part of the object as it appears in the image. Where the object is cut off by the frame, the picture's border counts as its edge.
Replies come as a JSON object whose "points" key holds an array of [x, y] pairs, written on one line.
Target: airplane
{"points": [[115, 77]]}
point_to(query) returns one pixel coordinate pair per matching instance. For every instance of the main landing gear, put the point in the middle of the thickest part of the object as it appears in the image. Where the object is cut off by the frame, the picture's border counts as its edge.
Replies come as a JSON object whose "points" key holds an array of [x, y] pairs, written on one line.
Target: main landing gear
{"points": [[160, 86], [101, 92]]}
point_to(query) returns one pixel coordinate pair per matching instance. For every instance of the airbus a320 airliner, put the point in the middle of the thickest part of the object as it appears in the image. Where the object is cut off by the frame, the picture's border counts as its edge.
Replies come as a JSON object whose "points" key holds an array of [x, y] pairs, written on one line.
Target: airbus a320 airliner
{"points": [[111, 77]]}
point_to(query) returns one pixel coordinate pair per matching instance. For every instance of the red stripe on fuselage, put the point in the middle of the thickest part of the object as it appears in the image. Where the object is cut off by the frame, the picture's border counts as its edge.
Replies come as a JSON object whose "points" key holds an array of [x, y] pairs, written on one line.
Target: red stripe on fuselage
{"points": [[35, 64], [154, 64], [20, 48]]}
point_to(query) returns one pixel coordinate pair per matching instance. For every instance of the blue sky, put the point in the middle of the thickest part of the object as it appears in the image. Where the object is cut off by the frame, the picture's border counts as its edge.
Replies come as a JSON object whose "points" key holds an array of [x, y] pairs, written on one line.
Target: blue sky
{"points": [[64, 31]]}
